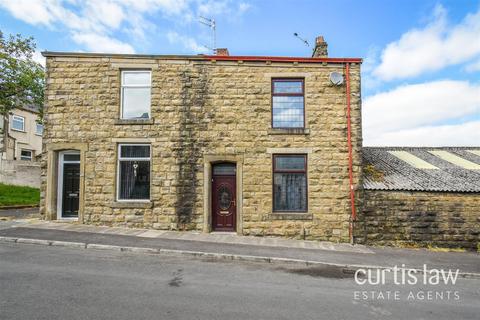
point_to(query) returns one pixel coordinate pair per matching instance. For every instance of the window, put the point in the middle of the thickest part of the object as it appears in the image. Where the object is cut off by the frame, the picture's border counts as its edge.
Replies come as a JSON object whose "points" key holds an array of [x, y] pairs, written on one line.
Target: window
{"points": [[133, 172], [290, 183], [26, 155], [39, 129], [224, 169], [18, 123], [288, 108], [135, 96]]}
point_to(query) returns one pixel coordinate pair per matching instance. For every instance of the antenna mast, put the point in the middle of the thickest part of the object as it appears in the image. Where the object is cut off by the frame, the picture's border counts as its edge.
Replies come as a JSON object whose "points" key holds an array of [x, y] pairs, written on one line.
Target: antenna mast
{"points": [[301, 39], [211, 24]]}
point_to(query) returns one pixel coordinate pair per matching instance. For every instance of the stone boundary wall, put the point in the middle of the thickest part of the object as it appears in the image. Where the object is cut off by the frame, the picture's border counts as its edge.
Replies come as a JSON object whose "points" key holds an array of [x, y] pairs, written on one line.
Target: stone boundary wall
{"points": [[442, 219], [20, 173]]}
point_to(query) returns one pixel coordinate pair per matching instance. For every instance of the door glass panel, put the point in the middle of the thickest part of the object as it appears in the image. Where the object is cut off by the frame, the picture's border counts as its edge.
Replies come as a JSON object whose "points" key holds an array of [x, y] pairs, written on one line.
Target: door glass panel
{"points": [[71, 189], [224, 197], [224, 169], [71, 157]]}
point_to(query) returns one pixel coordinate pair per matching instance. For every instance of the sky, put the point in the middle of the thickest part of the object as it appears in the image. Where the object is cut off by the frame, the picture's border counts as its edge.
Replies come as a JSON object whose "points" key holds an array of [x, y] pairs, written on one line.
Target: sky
{"points": [[421, 69]]}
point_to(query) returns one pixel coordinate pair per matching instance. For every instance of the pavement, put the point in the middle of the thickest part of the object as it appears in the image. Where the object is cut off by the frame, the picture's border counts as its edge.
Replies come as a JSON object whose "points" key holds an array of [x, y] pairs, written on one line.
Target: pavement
{"points": [[47, 282], [233, 247], [18, 213]]}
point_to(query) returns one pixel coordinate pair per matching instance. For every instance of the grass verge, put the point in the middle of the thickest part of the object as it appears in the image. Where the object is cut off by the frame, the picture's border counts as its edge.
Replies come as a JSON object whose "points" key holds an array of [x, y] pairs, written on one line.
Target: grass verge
{"points": [[18, 195]]}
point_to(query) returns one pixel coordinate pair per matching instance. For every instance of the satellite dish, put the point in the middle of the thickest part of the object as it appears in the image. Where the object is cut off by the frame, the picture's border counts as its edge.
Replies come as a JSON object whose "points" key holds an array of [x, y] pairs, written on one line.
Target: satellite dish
{"points": [[336, 78]]}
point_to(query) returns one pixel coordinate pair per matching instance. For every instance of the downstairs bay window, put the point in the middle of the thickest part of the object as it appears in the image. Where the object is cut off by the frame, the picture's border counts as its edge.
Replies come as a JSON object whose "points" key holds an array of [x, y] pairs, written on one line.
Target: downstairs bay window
{"points": [[133, 178], [290, 183]]}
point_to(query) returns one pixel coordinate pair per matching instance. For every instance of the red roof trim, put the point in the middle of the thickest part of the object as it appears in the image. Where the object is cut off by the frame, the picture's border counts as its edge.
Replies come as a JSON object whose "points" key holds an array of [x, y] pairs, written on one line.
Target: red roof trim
{"points": [[283, 59]]}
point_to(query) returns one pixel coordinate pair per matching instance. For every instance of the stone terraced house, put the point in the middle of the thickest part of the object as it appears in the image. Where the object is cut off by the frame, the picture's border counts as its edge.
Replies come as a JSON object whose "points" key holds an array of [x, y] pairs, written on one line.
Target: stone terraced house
{"points": [[247, 144], [266, 146]]}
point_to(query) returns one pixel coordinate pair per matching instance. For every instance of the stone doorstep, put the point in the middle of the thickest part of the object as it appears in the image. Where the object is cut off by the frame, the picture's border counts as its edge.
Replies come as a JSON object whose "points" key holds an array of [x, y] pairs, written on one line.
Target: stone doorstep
{"points": [[346, 268], [216, 237]]}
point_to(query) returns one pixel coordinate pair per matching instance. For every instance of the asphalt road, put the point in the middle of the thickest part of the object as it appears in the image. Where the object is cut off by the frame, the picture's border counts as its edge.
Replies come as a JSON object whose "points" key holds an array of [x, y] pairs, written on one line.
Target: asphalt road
{"points": [[38, 282]]}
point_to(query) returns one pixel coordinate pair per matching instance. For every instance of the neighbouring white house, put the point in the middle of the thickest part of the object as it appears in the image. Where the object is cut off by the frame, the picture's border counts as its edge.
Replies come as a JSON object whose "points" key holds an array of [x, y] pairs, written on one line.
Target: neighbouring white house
{"points": [[21, 154], [24, 135]]}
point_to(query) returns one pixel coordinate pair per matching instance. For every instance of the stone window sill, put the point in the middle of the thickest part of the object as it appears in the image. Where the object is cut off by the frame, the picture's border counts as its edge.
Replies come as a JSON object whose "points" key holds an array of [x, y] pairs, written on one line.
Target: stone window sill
{"points": [[300, 131], [290, 216], [132, 205], [134, 121]]}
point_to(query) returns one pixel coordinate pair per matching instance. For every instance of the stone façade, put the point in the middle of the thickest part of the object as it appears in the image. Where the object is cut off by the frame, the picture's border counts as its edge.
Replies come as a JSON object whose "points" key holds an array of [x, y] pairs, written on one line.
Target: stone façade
{"points": [[202, 109]]}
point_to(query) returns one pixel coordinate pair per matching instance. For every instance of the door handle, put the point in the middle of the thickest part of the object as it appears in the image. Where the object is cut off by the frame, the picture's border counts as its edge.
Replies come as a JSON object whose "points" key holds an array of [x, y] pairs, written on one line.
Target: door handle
{"points": [[233, 202]]}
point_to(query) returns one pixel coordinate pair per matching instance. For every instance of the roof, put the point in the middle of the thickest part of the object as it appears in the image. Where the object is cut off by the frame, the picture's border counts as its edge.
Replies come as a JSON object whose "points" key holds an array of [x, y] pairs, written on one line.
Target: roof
{"points": [[201, 57], [31, 108], [444, 169]]}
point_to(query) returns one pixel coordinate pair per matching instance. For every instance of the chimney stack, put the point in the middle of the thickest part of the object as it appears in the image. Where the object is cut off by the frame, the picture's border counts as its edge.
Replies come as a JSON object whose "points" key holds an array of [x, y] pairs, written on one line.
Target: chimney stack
{"points": [[320, 50], [222, 52]]}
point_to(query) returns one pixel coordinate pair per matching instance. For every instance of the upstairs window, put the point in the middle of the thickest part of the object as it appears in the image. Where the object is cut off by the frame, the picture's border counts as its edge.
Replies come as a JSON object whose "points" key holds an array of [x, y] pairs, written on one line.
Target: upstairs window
{"points": [[135, 96], [39, 129], [290, 183], [18, 123], [133, 172], [288, 107]]}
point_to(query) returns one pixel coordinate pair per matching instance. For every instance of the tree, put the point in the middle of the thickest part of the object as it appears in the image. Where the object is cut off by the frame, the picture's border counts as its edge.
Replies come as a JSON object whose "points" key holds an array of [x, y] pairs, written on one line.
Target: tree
{"points": [[22, 80]]}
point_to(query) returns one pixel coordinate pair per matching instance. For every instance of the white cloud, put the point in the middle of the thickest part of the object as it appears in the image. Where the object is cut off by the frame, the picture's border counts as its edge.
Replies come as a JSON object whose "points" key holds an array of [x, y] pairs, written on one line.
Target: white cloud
{"points": [[108, 12], [465, 134], [243, 7], [169, 7], [93, 20], [100, 43], [102, 20], [410, 108], [38, 58], [33, 12], [431, 48], [228, 8], [189, 43], [212, 7], [474, 66]]}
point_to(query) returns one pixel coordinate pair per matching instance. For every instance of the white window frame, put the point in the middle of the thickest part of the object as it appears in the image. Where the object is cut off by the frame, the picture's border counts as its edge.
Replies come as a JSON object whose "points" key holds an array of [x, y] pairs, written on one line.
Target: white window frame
{"points": [[61, 162], [119, 159], [27, 150], [18, 118], [36, 129], [122, 86]]}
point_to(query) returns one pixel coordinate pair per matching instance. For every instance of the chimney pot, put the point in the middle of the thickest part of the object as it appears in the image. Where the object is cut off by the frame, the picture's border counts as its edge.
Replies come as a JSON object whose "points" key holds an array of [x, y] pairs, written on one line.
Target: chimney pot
{"points": [[321, 46], [222, 52]]}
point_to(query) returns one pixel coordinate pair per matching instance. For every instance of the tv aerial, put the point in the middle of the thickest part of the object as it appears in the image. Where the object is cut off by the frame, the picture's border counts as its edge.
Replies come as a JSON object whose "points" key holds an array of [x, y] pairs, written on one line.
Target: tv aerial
{"points": [[305, 42], [212, 25]]}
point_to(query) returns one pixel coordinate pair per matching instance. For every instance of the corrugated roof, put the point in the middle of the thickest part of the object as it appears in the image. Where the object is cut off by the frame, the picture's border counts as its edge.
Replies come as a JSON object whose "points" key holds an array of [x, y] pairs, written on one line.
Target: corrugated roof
{"points": [[384, 170]]}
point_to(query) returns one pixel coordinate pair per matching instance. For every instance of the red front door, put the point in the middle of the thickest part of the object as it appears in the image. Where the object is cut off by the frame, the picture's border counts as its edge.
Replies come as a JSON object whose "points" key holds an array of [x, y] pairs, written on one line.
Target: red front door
{"points": [[224, 206]]}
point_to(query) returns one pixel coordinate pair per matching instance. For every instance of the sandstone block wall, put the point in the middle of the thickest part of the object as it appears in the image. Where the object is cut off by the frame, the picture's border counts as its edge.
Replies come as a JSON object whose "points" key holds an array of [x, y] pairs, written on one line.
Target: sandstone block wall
{"points": [[204, 108], [422, 218]]}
